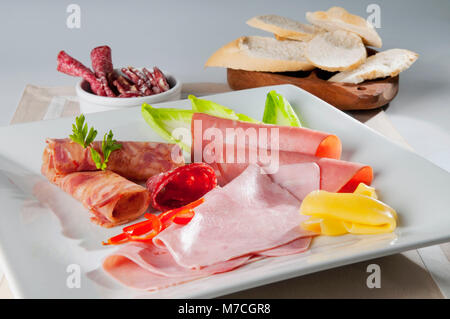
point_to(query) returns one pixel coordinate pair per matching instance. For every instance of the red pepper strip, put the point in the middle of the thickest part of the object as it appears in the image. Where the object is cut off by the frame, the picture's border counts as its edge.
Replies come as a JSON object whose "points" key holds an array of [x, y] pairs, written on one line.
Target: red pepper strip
{"points": [[184, 217], [170, 214], [147, 230], [117, 240], [166, 216], [139, 228]]}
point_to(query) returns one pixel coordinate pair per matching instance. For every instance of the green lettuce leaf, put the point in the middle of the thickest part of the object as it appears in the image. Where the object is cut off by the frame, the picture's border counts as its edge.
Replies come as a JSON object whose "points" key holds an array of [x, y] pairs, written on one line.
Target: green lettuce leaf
{"points": [[278, 111], [165, 120], [215, 109]]}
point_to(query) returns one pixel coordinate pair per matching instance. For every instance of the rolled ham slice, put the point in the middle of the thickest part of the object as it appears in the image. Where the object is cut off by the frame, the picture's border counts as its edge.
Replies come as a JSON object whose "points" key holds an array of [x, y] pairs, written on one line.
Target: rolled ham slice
{"points": [[291, 139], [181, 186], [335, 175], [111, 198], [248, 215], [296, 146], [135, 160], [147, 267]]}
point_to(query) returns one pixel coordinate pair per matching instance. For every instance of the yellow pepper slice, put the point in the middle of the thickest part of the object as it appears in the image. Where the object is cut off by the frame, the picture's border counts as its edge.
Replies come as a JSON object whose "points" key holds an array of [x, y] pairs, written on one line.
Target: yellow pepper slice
{"points": [[359, 212]]}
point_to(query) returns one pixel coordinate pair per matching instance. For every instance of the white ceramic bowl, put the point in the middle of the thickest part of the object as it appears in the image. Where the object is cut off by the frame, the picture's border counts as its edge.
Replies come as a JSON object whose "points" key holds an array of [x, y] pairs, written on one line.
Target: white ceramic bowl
{"points": [[90, 103]]}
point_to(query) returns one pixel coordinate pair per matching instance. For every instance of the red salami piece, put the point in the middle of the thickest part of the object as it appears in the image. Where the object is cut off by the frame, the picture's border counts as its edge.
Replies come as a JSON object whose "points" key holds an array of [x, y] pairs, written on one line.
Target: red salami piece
{"points": [[123, 85], [102, 65], [138, 78], [157, 80], [101, 60], [161, 79], [71, 66], [181, 186]]}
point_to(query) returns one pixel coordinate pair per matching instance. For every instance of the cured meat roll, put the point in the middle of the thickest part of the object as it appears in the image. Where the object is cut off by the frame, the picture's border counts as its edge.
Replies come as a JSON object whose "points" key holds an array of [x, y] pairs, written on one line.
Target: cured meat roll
{"points": [[181, 186], [111, 198], [135, 160]]}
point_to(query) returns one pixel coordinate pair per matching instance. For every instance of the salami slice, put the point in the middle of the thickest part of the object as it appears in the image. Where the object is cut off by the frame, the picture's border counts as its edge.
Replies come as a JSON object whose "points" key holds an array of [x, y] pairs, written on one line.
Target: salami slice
{"points": [[181, 186], [69, 65], [112, 199], [135, 160], [101, 60], [103, 67]]}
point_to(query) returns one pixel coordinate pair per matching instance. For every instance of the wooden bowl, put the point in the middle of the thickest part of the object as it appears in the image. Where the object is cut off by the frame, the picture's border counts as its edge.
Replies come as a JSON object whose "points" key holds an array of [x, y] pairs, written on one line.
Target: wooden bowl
{"points": [[364, 96]]}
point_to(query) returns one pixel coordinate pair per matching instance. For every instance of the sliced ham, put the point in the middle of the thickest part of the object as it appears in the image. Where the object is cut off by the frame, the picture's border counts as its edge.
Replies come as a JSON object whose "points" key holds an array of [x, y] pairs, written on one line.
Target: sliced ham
{"points": [[248, 215], [299, 179], [249, 219], [111, 198], [135, 160], [296, 246], [148, 267], [296, 145], [291, 139], [335, 175]]}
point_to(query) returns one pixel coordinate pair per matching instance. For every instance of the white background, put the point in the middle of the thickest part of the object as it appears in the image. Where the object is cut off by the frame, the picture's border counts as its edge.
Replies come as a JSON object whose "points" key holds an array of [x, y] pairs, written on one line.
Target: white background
{"points": [[180, 35]]}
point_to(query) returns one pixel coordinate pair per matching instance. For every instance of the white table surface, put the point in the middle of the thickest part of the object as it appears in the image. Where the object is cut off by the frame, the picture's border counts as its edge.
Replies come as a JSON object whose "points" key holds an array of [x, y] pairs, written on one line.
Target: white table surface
{"points": [[180, 35]]}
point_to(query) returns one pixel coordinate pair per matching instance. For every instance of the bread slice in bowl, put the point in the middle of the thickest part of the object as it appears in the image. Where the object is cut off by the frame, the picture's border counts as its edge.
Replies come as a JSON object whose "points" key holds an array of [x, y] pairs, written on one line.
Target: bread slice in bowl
{"points": [[284, 28], [255, 53], [388, 63], [338, 18], [338, 50]]}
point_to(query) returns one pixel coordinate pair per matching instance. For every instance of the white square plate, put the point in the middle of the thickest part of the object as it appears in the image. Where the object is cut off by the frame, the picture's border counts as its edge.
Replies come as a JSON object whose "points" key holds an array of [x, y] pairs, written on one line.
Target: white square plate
{"points": [[40, 247]]}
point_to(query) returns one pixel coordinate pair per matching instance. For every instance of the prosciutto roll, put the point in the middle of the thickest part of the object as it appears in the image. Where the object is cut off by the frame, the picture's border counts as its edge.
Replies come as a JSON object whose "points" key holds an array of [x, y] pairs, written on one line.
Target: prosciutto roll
{"points": [[111, 198], [135, 160]]}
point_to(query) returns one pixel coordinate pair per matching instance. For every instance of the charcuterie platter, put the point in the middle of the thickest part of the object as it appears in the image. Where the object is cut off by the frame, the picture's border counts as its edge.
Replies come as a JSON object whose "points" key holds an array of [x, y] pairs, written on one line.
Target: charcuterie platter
{"points": [[62, 229]]}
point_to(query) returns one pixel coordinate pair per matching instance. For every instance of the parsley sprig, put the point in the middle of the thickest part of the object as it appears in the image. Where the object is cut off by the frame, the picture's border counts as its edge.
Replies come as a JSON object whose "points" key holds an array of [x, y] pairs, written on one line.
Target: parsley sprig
{"points": [[109, 145], [80, 132], [85, 137]]}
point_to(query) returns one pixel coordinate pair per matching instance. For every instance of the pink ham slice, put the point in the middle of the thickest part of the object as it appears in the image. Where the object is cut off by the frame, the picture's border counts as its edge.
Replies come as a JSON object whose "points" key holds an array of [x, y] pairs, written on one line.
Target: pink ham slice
{"points": [[135, 160], [248, 215], [335, 175], [291, 139], [296, 246], [112, 199], [147, 267], [296, 145], [299, 179]]}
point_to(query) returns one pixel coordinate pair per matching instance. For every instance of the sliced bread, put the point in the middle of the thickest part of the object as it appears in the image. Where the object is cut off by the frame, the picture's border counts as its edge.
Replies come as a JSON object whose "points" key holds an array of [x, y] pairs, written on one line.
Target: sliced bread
{"points": [[336, 51], [255, 53], [284, 27], [338, 18], [383, 64]]}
